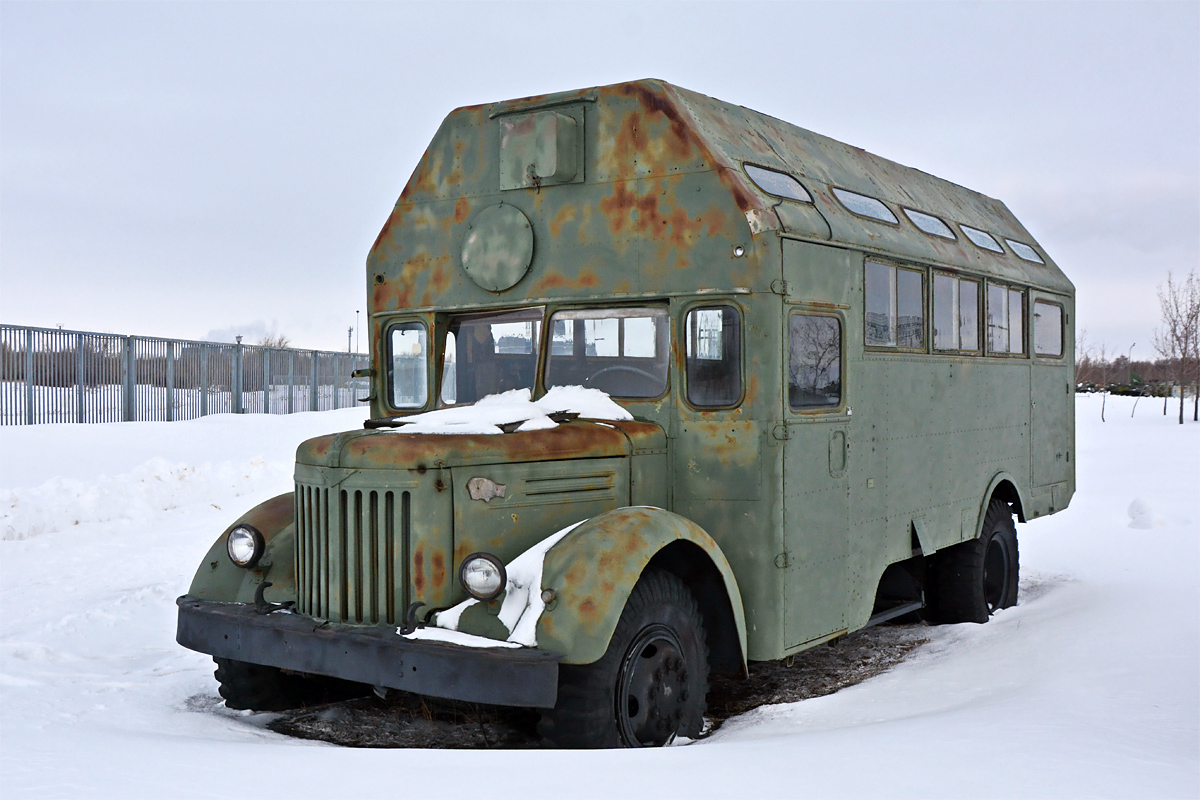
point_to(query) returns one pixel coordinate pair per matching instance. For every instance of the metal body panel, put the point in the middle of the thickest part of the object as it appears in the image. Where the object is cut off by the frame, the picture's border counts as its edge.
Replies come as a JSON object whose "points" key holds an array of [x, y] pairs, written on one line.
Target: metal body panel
{"points": [[593, 570]]}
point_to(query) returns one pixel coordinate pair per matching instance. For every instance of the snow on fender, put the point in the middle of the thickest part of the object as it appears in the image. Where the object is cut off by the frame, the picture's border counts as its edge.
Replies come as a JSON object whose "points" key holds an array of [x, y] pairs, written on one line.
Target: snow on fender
{"points": [[520, 611]]}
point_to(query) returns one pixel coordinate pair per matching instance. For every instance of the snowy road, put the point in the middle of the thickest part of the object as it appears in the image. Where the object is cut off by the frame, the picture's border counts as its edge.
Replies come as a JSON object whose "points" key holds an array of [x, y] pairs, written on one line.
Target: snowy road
{"points": [[1090, 687]]}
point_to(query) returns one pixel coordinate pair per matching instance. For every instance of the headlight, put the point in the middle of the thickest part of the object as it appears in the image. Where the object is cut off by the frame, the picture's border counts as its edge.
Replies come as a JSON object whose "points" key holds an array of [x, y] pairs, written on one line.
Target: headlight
{"points": [[244, 545], [483, 576]]}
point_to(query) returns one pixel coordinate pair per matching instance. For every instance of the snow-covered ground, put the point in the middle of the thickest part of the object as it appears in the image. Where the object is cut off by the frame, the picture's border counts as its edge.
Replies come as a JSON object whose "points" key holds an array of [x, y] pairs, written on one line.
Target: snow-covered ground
{"points": [[1089, 688]]}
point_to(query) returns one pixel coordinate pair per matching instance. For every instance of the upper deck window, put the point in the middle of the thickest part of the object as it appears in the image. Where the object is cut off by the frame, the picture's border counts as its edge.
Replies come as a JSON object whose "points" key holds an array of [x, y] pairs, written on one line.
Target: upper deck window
{"points": [[489, 354], [779, 184], [622, 351], [930, 224], [865, 206], [981, 239], [1025, 252]]}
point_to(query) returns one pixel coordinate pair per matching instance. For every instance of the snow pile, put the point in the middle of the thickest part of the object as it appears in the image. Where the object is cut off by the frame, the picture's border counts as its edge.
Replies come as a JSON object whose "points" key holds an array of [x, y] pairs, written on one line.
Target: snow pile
{"points": [[455, 637], [1142, 516], [155, 486], [487, 415], [522, 606]]}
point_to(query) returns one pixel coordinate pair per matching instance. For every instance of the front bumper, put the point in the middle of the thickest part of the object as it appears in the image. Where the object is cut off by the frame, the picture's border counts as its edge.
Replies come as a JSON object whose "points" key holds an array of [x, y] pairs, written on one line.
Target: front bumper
{"points": [[376, 656]]}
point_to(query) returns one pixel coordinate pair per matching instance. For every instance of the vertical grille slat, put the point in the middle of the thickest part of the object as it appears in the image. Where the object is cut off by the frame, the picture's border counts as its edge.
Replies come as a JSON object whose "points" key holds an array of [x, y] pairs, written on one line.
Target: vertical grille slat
{"points": [[389, 558], [352, 550]]}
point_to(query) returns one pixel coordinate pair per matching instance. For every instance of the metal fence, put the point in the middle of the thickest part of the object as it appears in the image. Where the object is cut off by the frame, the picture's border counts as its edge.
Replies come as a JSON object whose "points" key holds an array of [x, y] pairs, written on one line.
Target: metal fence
{"points": [[52, 375]]}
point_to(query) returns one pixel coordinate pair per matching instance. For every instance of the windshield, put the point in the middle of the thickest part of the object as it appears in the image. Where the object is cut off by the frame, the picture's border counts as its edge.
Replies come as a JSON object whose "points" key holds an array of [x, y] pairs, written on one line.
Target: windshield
{"points": [[621, 351], [490, 353]]}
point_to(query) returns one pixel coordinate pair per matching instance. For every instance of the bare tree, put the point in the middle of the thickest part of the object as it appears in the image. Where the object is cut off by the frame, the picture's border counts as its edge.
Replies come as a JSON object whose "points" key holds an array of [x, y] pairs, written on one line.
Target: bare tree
{"points": [[275, 340], [1178, 338]]}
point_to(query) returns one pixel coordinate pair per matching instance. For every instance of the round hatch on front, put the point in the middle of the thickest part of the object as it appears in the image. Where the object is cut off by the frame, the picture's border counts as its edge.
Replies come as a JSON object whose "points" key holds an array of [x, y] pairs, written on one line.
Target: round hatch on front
{"points": [[498, 248]]}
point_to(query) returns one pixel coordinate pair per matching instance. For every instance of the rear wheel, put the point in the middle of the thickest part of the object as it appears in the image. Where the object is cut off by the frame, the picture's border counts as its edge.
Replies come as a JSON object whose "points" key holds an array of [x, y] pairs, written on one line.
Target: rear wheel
{"points": [[970, 581], [259, 688], [650, 685]]}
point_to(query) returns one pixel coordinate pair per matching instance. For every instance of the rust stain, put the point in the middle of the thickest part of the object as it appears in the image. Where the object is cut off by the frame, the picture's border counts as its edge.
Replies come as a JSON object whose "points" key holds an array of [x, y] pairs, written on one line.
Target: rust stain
{"points": [[439, 569], [554, 280], [462, 207], [587, 609], [564, 215], [680, 143], [419, 569]]}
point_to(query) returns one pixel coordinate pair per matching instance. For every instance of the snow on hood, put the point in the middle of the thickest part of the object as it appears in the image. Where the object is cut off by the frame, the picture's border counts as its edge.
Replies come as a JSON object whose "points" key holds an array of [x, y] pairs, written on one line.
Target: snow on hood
{"points": [[487, 415], [522, 606]]}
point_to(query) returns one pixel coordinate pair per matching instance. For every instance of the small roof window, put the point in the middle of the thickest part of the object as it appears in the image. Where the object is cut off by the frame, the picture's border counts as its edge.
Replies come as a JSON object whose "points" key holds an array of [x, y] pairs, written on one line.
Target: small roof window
{"points": [[779, 184], [1025, 251], [981, 239], [930, 224], [865, 206]]}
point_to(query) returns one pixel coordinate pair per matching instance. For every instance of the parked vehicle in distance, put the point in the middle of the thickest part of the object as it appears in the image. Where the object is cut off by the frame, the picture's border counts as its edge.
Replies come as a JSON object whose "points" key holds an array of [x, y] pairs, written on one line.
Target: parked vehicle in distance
{"points": [[836, 380]]}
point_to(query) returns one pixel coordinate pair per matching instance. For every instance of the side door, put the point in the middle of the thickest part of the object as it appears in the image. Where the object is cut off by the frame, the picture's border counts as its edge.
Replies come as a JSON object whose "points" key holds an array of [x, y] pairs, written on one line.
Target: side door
{"points": [[816, 487], [1051, 391]]}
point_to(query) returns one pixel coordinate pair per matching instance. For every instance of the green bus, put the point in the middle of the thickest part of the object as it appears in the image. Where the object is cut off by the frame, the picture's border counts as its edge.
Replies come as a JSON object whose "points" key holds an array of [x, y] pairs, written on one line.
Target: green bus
{"points": [[661, 385]]}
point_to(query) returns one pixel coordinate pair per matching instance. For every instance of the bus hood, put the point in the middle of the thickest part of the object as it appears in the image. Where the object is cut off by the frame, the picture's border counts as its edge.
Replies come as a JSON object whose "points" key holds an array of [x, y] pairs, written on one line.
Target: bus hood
{"points": [[396, 449]]}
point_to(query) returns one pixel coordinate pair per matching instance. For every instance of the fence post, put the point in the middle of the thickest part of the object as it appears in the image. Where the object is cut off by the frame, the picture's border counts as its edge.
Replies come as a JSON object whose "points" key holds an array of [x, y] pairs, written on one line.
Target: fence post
{"points": [[237, 378], [204, 381], [312, 397], [29, 376], [129, 385], [170, 381], [337, 386], [79, 377], [291, 379]]}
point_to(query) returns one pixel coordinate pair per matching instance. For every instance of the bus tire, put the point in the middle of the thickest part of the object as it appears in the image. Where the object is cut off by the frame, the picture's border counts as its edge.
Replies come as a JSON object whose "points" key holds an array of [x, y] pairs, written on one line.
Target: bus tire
{"points": [[259, 688], [650, 685], [970, 581]]}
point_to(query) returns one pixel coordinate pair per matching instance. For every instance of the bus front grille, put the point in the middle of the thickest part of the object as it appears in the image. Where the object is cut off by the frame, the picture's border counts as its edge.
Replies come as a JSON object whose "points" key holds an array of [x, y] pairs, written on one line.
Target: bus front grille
{"points": [[352, 554]]}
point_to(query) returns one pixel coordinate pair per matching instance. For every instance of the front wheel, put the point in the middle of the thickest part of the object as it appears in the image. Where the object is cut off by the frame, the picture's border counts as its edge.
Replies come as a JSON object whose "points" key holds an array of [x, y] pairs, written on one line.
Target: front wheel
{"points": [[259, 688], [970, 581], [650, 685]]}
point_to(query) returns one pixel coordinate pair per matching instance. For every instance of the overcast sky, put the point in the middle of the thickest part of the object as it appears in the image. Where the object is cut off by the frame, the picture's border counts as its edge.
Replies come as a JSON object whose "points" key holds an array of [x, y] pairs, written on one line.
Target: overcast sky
{"points": [[186, 169]]}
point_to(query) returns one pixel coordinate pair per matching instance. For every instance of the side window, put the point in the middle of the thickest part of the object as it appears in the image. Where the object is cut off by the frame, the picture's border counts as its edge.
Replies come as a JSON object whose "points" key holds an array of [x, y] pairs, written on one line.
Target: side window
{"points": [[955, 313], [1005, 320], [407, 365], [714, 356], [1047, 329], [895, 306], [814, 362]]}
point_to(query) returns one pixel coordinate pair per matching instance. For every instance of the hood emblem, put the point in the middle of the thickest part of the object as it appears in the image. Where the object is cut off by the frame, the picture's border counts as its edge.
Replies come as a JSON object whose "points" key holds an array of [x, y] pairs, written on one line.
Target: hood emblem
{"points": [[484, 489]]}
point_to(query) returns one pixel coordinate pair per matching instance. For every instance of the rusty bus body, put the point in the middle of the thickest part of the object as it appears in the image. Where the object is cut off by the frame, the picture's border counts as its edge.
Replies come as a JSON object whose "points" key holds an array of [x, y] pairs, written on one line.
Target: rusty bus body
{"points": [[845, 377]]}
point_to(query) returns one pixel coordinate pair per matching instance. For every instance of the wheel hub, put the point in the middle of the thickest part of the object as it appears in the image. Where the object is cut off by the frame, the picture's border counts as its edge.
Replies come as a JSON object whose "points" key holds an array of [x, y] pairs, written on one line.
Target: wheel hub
{"points": [[653, 691]]}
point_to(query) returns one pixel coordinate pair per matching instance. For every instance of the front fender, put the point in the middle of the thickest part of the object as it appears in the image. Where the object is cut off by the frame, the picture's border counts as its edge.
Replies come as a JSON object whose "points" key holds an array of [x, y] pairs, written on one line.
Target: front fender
{"points": [[218, 578], [593, 569]]}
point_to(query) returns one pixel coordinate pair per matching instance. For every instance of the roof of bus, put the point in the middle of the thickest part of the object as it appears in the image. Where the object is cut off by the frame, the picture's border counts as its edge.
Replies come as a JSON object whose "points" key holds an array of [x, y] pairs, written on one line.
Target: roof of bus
{"points": [[738, 136], [656, 134]]}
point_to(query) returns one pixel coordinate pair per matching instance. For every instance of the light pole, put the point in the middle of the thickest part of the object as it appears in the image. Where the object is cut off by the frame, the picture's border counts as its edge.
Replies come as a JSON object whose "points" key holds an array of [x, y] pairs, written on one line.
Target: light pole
{"points": [[1129, 364], [357, 343], [350, 339]]}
